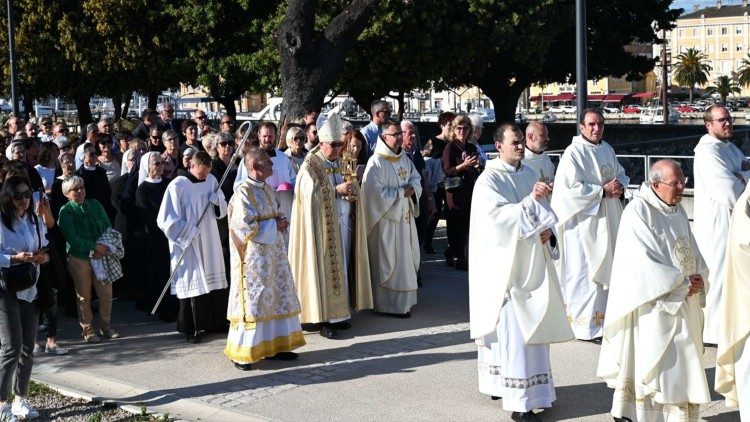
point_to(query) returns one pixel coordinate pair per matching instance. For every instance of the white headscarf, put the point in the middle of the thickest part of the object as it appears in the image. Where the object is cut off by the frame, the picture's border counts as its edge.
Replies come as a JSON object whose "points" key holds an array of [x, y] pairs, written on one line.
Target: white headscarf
{"points": [[143, 171], [125, 156], [9, 149]]}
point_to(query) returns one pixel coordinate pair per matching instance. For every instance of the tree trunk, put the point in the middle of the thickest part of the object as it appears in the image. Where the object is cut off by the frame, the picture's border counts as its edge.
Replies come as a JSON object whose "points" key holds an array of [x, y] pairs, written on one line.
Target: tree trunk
{"points": [[153, 99], [28, 107], [117, 104], [229, 106], [691, 94], [504, 99], [310, 61], [400, 100], [84, 112], [126, 107]]}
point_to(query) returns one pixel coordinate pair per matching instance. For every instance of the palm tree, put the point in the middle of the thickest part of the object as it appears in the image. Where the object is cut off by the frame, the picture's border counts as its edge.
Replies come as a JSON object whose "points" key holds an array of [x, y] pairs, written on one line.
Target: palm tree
{"points": [[724, 87], [691, 68], [743, 74]]}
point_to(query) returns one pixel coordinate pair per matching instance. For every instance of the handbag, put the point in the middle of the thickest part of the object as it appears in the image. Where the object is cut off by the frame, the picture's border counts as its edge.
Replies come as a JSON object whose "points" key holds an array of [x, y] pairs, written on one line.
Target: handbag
{"points": [[453, 183], [19, 276]]}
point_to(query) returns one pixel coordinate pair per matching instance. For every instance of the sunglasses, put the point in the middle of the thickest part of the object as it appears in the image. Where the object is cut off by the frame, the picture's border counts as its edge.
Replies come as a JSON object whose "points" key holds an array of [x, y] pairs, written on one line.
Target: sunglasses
{"points": [[200, 117], [299, 138], [225, 144], [22, 195]]}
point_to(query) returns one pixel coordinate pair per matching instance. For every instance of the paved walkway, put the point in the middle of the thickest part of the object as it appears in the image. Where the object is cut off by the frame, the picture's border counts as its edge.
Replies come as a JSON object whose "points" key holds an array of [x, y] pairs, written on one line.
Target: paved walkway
{"points": [[383, 369]]}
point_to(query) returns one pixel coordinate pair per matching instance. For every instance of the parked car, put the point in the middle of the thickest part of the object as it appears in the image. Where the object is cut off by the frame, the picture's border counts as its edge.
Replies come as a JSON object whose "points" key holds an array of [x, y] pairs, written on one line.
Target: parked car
{"points": [[684, 108], [569, 109], [555, 109], [631, 109], [610, 110]]}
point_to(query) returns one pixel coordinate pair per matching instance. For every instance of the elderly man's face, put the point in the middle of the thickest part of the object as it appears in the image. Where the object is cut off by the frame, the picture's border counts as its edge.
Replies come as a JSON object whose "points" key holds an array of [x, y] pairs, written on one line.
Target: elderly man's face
{"points": [[104, 127], [592, 128], [167, 113], [200, 118], [673, 185], [60, 130], [537, 140], [409, 142], [18, 152], [331, 150], [720, 125]]}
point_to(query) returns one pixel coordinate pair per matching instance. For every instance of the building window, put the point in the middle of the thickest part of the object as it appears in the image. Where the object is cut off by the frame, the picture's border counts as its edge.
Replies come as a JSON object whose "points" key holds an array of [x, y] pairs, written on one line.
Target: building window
{"points": [[738, 47], [724, 31], [709, 31], [738, 30], [710, 48], [724, 48], [695, 32], [681, 33]]}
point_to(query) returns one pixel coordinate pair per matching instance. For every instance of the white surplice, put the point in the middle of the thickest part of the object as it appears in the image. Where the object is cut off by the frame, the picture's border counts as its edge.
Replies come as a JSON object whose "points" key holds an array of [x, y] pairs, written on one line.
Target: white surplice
{"points": [[733, 353], [263, 305], [541, 163], [587, 230], [652, 350], [392, 241], [515, 303], [719, 181], [283, 172], [202, 269]]}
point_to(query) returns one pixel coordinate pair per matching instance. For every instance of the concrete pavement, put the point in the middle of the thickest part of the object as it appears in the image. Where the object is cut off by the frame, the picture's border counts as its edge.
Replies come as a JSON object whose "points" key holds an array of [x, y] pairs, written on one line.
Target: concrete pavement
{"points": [[383, 369]]}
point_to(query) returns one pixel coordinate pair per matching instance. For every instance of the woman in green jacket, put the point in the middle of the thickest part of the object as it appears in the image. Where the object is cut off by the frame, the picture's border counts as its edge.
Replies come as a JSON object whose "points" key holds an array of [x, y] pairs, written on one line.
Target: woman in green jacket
{"points": [[83, 222]]}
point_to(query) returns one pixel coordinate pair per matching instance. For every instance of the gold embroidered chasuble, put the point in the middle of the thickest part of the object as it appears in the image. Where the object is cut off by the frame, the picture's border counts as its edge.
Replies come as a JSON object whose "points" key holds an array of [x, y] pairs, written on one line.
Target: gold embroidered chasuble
{"points": [[325, 291], [262, 287]]}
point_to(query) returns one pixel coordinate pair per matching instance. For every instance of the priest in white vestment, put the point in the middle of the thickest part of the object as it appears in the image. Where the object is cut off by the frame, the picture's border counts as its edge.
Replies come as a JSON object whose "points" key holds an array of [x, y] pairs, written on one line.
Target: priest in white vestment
{"points": [[721, 174], [328, 240], [391, 187], [537, 142], [652, 350], [263, 305], [733, 354], [283, 178], [202, 269], [589, 184], [515, 301]]}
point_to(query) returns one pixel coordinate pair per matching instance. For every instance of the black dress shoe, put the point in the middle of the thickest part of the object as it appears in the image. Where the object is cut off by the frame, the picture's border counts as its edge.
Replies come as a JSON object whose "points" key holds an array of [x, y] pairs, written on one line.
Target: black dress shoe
{"points": [[529, 416], [402, 316], [462, 264], [343, 325], [193, 338], [597, 340], [327, 331], [622, 419], [450, 259], [310, 327], [287, 356], [428, 249], [243, 366], [495, 398]]}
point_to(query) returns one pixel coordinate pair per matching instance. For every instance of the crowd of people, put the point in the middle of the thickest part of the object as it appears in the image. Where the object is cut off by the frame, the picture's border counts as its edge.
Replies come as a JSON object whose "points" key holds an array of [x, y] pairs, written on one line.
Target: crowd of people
{"points": [[266, 234]]}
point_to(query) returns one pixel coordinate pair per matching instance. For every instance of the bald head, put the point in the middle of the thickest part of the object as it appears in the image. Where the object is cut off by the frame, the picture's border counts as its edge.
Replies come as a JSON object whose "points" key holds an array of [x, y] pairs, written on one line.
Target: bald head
{"points": [[667, 181], [258, 164], [537, 137]]}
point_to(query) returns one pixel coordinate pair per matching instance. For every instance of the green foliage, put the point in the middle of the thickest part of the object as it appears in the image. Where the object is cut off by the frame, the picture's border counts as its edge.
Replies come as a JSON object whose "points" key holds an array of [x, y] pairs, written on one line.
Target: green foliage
{"points": [[743, 73], [691, 68], [724, 86]]}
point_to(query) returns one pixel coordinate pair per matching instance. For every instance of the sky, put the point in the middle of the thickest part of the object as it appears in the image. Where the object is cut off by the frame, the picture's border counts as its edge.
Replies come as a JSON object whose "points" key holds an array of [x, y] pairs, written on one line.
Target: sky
{"points": [[688, 4]]}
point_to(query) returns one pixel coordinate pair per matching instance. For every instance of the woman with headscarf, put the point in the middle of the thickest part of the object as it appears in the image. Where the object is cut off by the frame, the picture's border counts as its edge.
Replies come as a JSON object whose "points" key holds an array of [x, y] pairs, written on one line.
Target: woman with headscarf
{"points": [[148, 197], [126, 220]]}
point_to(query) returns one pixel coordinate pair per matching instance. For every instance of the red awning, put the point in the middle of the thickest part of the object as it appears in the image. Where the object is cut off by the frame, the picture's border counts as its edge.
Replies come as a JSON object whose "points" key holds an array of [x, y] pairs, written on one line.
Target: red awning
{"points": [[566, 96], [614, 98], [535, 98], [596, 97], [645, 95]]}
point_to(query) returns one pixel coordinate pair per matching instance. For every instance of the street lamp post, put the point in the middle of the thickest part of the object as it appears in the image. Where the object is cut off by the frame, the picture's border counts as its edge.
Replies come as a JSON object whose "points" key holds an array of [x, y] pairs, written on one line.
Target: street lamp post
{"points": [[12, 54], [581, 54]]}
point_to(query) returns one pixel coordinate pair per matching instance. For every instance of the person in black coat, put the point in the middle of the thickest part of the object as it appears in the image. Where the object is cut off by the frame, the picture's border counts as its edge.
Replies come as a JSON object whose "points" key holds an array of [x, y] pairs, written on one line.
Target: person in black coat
{"points": [[126, 219], [148, 197], [95, 181]]}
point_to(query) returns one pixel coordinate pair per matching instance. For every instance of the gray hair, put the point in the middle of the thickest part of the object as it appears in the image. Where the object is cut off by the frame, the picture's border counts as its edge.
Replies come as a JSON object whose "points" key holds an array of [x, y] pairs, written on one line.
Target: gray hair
{"points": [[407, 123], [252, 155], [378, 105], [476, 121], [209, 143], [170, 134], [71, 182], [346, 126], [164, 105], [656, 174]]}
